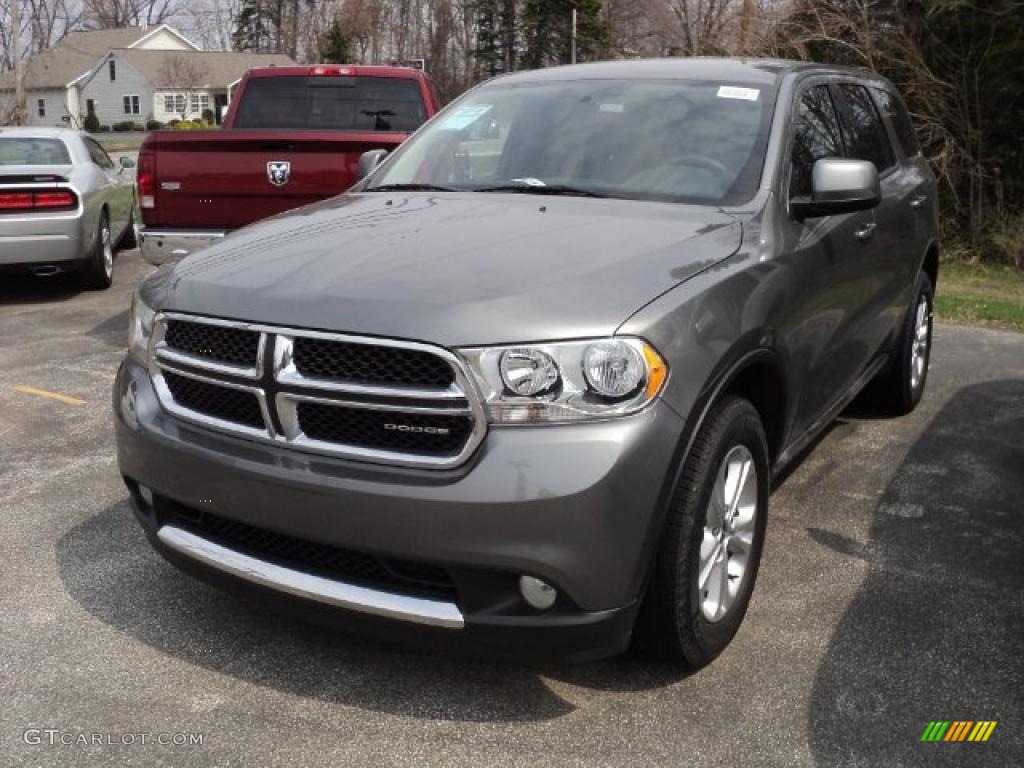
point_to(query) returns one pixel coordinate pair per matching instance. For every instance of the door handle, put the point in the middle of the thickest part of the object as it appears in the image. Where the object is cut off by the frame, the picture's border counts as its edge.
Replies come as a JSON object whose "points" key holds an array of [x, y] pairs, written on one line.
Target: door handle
{"points": [[865, 231], [919, 201]]}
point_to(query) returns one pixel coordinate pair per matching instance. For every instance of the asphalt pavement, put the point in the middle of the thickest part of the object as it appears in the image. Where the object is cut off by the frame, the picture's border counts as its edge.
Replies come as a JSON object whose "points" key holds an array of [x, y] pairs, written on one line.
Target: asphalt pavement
{"points": [[891, 595]]}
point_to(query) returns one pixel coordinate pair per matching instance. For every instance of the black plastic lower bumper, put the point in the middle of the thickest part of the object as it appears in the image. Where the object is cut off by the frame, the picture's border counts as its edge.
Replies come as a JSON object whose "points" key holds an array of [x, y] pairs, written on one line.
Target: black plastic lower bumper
{"points": [[576, 636]]}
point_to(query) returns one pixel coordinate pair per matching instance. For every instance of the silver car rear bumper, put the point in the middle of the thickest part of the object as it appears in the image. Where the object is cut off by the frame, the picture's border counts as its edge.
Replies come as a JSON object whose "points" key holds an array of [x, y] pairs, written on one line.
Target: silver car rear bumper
{"points": [[160, 246]]}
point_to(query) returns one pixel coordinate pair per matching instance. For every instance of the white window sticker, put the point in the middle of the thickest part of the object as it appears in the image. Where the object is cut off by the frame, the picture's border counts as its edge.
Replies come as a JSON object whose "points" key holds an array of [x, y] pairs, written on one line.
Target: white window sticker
{"points": [[732, 92], [464, 116], [611, 107]]}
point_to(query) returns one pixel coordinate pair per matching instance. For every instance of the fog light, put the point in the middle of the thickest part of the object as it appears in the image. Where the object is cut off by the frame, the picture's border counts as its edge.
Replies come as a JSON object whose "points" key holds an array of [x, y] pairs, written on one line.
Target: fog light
{"points": [[537, 593], [146, 495], [128, 406]]}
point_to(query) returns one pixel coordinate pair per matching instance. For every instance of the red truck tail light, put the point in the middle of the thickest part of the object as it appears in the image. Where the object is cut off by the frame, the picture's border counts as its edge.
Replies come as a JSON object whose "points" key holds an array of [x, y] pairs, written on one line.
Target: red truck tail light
{"points": [[145, 179], [320, 69], [30, 200]]}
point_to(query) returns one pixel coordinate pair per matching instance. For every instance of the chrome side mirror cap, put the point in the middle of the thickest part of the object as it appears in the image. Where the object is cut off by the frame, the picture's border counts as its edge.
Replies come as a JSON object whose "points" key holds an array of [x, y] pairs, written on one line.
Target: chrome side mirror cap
{"points": [[839, 185]]}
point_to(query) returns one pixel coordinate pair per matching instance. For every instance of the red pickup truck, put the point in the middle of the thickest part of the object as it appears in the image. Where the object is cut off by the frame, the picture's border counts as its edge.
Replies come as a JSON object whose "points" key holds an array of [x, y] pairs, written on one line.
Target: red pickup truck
{"points": [[292, 136]]}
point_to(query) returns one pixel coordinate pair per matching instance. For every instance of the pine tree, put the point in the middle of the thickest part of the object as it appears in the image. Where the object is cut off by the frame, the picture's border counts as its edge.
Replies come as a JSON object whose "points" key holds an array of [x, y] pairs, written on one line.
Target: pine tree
{"points": [[249, 32], [336, 48], [547, 31], [488, 45]]}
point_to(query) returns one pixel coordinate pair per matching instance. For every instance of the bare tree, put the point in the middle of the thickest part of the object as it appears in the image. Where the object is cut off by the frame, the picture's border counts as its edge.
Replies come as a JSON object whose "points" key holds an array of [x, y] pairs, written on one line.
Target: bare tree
{"points": [[109, 14], [185, 76]]}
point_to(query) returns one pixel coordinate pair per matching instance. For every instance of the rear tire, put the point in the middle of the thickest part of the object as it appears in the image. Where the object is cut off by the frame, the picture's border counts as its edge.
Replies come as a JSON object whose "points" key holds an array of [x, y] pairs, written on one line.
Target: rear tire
{"points": [[708, 558], [899, 389], [99, 269]]}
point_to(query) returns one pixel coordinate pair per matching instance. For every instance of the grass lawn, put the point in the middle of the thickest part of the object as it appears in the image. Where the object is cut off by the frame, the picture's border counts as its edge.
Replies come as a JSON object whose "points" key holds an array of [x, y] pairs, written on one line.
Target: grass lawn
{"points": [[113, 142], [981, 294]]}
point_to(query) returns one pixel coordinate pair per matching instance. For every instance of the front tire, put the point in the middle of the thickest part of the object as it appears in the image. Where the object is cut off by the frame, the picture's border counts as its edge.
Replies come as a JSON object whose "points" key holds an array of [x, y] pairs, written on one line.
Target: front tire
{"points": [[99, 268], [707, 562]]}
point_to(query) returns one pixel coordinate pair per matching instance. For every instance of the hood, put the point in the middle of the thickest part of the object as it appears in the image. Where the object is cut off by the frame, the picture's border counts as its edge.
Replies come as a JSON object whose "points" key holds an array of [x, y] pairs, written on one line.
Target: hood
{"points": [[453, 268]]}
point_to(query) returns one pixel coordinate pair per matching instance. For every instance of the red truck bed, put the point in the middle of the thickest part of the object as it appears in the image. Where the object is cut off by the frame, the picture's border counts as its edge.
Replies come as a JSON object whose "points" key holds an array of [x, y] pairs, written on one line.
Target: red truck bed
{"points": [[292, 136]]}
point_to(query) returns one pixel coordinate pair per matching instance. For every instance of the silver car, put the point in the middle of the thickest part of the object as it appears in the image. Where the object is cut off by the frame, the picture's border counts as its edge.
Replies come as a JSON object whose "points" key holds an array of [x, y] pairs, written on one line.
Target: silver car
{"points": [[65, 206]]}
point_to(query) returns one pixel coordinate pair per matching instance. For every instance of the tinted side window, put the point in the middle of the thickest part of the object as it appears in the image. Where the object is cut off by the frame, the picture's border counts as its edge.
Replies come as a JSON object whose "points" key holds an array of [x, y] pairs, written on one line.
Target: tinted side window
{"points": [[866, 138], [816, 136], [892, 107]]}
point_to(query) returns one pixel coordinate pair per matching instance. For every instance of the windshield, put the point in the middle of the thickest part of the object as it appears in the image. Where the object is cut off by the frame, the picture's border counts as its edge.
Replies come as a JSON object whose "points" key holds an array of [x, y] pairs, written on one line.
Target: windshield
{"points": [[331, 104], [669, 140], [19, 151]]}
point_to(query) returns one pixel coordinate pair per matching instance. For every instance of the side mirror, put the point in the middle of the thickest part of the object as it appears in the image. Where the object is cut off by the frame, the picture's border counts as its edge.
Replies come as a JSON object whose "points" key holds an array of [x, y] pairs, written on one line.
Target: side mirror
{"points": [[127, 162], [839, 186], [370, 160]]}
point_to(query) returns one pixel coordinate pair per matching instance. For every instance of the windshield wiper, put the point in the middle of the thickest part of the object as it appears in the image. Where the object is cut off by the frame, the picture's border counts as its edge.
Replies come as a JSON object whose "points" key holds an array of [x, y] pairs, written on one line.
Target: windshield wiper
{"points": [[543, 189], [410, 188]]}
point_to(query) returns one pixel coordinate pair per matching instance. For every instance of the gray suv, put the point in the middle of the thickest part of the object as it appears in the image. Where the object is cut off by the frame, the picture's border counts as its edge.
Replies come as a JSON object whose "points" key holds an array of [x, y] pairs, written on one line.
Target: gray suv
{"points": [[527, 384]]}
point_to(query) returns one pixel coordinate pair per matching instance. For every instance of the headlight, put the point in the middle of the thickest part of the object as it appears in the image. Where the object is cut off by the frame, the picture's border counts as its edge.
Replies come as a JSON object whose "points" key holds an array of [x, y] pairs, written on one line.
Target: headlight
{"points": [[567, 381], [139, 330]]}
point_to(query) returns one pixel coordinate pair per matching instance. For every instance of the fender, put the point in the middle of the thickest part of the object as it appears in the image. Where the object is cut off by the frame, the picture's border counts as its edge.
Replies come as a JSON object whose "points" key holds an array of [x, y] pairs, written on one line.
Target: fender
{"points": [[729, 368]]}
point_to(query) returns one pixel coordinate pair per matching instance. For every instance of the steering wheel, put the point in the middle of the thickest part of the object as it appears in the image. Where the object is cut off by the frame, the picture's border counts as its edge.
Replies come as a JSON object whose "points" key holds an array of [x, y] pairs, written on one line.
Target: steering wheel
{"points": [[706, 163]]}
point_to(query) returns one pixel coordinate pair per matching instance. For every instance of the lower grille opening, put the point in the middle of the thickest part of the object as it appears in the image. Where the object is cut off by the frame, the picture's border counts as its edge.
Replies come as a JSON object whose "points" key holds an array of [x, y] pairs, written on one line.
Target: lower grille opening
{"points": [[224, 403], [388, 574], [422, 434]]}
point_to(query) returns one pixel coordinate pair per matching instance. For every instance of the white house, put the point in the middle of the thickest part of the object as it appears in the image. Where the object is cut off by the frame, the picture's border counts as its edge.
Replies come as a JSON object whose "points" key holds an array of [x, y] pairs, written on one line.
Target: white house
{"points": [[122, 75]]}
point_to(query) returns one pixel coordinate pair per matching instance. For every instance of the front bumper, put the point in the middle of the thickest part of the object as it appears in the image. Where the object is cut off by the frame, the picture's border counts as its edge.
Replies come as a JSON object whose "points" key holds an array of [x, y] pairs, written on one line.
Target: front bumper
{"points": [[159, 246], [575, 505]]}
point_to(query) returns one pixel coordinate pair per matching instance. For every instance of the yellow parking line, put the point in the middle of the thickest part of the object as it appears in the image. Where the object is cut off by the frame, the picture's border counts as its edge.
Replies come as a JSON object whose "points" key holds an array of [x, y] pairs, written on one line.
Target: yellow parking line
{"points": [[51, 395]]}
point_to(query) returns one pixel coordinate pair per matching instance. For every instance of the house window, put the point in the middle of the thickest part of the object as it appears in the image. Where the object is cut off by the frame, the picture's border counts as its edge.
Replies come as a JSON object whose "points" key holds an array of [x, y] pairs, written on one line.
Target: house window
{"points": [[112, 66], [131, 105], [41, 107], [200, 101], [174, 103]]}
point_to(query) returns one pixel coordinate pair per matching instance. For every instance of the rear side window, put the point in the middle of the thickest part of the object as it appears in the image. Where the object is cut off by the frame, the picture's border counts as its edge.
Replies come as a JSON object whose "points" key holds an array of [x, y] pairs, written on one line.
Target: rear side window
{"points": [[816, 136], [25, 151], [866, 138], [892, 107], [331, 104], [97, 154]]}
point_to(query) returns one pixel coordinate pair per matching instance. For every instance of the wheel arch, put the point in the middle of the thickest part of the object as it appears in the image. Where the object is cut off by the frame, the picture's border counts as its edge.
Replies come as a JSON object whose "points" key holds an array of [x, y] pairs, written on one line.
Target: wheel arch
{"points": [[742, 373]]}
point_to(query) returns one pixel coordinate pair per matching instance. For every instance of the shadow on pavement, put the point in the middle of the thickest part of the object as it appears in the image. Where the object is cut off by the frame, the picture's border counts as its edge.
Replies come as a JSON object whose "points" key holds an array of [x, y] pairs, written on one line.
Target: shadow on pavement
{"points": [[937, 629], [138, 593], [26, 289]]}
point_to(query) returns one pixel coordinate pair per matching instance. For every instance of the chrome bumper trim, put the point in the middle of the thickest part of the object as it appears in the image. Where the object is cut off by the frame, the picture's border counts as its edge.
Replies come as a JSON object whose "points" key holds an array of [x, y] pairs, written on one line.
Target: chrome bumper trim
{"points": [[417, 610], [159, 246]]}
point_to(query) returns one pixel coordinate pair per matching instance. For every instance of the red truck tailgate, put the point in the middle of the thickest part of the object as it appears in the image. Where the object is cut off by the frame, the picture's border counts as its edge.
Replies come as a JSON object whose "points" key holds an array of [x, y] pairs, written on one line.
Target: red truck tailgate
{"points": [[227, 179]]}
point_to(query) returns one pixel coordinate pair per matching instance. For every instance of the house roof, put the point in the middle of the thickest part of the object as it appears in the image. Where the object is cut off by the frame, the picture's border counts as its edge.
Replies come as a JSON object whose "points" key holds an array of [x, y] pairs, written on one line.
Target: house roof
{"points": [[221, 67], [74, 55]]}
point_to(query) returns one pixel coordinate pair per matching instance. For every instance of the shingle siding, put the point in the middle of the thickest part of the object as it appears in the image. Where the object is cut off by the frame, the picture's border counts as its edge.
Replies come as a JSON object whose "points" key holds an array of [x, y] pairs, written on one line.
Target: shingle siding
{"points": [[109, 96]]}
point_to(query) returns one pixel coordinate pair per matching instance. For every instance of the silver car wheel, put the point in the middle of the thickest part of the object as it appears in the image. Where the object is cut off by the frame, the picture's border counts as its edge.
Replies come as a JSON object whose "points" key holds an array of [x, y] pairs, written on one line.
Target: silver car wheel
{"points": [[919, 346], [108, 250], [728, 535]]}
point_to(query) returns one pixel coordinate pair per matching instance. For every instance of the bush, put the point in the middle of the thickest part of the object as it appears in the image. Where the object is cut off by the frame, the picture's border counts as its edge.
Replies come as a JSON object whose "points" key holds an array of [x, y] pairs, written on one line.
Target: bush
{"points": [[91, 123], [208, 116], [153, 125], [104, 129], [126, 125]]}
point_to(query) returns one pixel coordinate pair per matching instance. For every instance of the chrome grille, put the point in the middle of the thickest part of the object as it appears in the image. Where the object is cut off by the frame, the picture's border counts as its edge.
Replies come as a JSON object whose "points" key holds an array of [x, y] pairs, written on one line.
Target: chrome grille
{"points": [[235, 346], [379, 400], [368, 364], [236, 406]]}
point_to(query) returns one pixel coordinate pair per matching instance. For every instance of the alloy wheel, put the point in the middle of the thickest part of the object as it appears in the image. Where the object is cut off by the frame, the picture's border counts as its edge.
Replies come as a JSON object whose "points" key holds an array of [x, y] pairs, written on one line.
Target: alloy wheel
{"points": [[728, 536]]}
